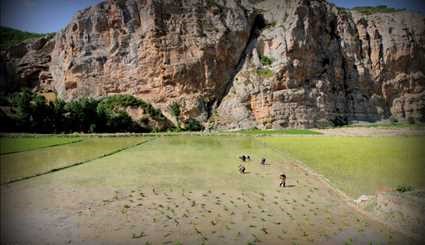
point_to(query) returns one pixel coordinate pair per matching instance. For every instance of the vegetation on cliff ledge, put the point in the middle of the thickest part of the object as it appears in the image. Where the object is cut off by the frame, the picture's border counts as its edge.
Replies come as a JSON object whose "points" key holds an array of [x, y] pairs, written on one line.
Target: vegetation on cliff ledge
{"points": [[264, 72], [265, 60]]}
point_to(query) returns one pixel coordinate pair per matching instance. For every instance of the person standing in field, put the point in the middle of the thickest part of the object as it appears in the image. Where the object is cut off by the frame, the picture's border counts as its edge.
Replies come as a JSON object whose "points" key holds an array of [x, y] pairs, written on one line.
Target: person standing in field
{"points": [[282, 180]]}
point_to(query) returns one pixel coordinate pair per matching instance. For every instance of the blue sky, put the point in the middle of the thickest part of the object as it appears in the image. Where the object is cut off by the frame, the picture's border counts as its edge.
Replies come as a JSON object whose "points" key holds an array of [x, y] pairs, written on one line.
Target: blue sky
{"points": [[52, 15], [415, 5], [40, 15]]}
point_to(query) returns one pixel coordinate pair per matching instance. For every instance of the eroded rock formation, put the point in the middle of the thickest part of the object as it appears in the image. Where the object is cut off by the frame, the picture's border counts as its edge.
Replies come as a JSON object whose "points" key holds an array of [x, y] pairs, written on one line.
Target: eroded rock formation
{"points": [[329, 66], [27, 64], [237, 64]]}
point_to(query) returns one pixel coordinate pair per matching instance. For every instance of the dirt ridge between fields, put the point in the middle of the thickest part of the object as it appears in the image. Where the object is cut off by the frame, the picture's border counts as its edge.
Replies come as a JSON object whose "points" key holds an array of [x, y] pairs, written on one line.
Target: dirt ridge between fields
{"points": [[42, 147], [78, 163], [346, 198]]}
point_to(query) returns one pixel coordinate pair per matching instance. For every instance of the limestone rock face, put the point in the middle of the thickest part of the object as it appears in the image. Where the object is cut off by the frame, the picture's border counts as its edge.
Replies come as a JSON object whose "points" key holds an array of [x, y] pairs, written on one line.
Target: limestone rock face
{"points": [[27, 64], [236, 63], [161, 51], [329, 67]]}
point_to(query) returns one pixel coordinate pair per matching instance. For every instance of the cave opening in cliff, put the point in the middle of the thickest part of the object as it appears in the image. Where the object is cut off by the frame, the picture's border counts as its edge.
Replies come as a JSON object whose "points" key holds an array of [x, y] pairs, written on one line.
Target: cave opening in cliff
{"points": [[259, 23]]}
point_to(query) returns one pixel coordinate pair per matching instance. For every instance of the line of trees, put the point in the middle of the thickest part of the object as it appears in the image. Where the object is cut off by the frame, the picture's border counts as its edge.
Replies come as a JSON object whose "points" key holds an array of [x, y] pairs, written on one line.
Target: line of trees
{"points": [[26, 111]]}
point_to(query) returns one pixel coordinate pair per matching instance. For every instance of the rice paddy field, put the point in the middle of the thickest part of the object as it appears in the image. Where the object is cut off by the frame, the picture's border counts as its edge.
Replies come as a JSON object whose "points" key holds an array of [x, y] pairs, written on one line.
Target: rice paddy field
{"points": [[359, 165], [50, 157], [20, 144], [186, 189]]}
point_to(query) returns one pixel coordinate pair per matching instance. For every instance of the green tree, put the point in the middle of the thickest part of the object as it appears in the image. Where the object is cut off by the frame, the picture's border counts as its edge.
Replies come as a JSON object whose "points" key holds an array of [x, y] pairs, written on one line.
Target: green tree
{"points": [[40, 115], [80, 114], [32, 113], [57, 108], [112, 111], [21, 103]]}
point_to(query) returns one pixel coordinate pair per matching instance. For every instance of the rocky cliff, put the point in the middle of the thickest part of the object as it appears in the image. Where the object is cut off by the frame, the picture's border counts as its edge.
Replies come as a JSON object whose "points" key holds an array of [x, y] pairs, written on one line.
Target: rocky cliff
{"points": [[236, 64]]}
